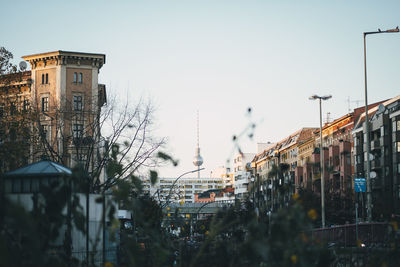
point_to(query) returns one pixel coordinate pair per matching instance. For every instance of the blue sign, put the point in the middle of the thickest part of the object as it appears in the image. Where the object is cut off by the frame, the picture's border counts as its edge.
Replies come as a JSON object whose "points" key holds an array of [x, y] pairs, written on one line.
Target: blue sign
{"points": [[360, 184]]}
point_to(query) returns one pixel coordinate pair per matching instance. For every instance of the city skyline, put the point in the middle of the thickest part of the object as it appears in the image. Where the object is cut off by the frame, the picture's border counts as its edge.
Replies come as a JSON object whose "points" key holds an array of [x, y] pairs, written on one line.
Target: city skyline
{"points": [[222, 58]]}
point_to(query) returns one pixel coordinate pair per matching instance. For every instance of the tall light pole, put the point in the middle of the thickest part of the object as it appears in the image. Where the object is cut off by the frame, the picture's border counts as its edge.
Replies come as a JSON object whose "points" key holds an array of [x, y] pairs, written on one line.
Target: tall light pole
{"points": [[176, 180], [321, 152], [369, 196]]}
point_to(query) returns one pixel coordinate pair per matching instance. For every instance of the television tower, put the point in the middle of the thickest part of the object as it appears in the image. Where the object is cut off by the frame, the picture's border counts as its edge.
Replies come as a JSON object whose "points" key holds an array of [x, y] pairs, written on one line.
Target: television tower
{"points": [[198, 160]]}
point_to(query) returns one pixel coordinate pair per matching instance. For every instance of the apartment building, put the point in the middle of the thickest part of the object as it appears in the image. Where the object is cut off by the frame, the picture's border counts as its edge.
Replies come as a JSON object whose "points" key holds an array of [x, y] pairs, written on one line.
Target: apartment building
{"points": [[225, 174], [384, 158], [181, 190], [59, 100], [242, 173]]}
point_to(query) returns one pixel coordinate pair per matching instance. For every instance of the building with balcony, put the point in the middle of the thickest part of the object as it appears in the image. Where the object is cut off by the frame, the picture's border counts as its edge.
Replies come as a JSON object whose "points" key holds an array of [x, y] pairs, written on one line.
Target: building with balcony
{"points": [[242, 174], [384, 158], [183, 190]]}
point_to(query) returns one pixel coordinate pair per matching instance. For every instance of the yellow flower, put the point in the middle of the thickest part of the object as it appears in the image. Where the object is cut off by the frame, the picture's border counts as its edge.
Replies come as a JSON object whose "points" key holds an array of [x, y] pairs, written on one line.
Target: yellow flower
{"points": [[312, 214], [295, 196], [206, 232], [293, 258], [168, 208], [108, 264], [169, 214]]}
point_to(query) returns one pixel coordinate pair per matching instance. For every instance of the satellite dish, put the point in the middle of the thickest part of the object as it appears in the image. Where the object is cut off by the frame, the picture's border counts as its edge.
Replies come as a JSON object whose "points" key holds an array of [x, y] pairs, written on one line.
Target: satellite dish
{"points": [[23, 65], [381, 108], [372, 175], [371, 157]]}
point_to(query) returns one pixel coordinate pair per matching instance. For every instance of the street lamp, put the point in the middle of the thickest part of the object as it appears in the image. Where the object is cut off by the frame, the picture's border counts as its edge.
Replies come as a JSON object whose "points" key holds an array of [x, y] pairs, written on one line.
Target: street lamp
{"points": [[369, 197], [173, 184], [321, 152]]}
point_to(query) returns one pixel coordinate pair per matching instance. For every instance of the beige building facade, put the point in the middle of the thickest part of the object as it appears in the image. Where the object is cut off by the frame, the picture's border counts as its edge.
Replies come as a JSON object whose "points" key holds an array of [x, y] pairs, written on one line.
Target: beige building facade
{"points": [[64, 98]]}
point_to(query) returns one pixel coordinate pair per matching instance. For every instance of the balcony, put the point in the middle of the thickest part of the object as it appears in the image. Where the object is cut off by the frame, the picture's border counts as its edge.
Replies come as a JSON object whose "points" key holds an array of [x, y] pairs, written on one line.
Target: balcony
{"points": [[375, 145], [376, 164]]}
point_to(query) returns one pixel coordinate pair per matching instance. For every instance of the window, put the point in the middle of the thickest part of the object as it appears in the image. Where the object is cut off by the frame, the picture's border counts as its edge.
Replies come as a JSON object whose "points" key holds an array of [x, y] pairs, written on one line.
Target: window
{"points": [[77, 102], [42, 78], [13, 108], [80, 77], [47, 78], [45, 103], [77, 130], [25, 105], [45, 132], [81, 158], [1, 111], [75, 77]]}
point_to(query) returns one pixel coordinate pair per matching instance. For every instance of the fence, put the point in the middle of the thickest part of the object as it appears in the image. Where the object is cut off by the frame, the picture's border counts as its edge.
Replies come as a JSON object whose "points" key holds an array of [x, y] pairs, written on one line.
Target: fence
{"points": [[370, 234], [95, 257]]}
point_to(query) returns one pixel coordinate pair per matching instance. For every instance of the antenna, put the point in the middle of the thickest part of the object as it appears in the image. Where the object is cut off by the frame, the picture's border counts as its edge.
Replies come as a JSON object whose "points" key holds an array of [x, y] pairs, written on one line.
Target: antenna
{"points": [[328, 117], [198, 160], [23, 65], [198, 130], [353, 101]]}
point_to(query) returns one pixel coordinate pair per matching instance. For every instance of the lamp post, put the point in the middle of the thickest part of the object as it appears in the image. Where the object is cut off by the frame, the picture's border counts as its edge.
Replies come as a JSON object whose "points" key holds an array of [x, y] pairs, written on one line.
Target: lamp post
{"points": [[321, 152], [173, 184], [369, 196]]}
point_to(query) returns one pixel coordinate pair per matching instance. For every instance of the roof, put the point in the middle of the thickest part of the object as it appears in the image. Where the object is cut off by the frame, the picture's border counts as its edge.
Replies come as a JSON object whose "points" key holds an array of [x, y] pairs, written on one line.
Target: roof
{"points": [[15, 79], [41, 168], [297, 137], [65, 53], [372, 111]]}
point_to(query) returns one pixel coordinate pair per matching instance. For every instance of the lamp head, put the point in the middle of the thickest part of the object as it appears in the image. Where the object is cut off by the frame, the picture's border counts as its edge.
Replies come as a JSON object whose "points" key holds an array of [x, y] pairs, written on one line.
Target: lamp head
{"points": [[326, 97], [393, 30], [313, 97]]}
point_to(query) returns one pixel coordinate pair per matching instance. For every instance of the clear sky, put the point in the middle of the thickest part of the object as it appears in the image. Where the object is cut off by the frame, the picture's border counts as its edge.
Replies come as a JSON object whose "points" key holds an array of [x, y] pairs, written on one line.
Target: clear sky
{"points": [[221, 57]]}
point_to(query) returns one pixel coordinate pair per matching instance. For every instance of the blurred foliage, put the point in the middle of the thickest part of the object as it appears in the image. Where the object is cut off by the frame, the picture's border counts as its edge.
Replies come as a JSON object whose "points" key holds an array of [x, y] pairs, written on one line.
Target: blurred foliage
{"points": [[27, 237], [238, 237]]}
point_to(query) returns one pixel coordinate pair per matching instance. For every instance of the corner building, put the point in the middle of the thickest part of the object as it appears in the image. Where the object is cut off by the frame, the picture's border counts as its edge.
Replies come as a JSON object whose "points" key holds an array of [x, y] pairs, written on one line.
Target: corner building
{"points": [[62, 89]]}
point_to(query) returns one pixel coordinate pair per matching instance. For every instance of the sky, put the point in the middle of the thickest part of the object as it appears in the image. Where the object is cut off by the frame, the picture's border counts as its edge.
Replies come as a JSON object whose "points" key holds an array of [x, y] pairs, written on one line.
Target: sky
{"points": [[220, 58]]}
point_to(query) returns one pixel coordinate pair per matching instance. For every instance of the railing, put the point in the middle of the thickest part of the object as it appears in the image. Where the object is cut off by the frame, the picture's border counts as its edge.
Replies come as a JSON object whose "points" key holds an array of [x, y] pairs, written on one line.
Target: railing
{"points": [[96, 257], [369, 234]]}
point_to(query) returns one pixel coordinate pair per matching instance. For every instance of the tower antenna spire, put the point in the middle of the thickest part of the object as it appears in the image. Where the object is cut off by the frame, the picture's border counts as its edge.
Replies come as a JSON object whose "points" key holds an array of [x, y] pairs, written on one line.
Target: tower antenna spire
{"points": [[198, 130], [198, 160]]}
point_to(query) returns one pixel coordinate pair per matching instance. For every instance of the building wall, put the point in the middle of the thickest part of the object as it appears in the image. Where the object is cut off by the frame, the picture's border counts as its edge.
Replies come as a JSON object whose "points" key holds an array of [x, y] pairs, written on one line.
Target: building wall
{"points": [[242, 173], [184, 189]]}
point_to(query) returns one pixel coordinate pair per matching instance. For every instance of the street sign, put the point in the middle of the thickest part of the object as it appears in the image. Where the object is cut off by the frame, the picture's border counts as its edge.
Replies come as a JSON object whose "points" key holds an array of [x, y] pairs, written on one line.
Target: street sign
{"points": [[360, 184]]}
